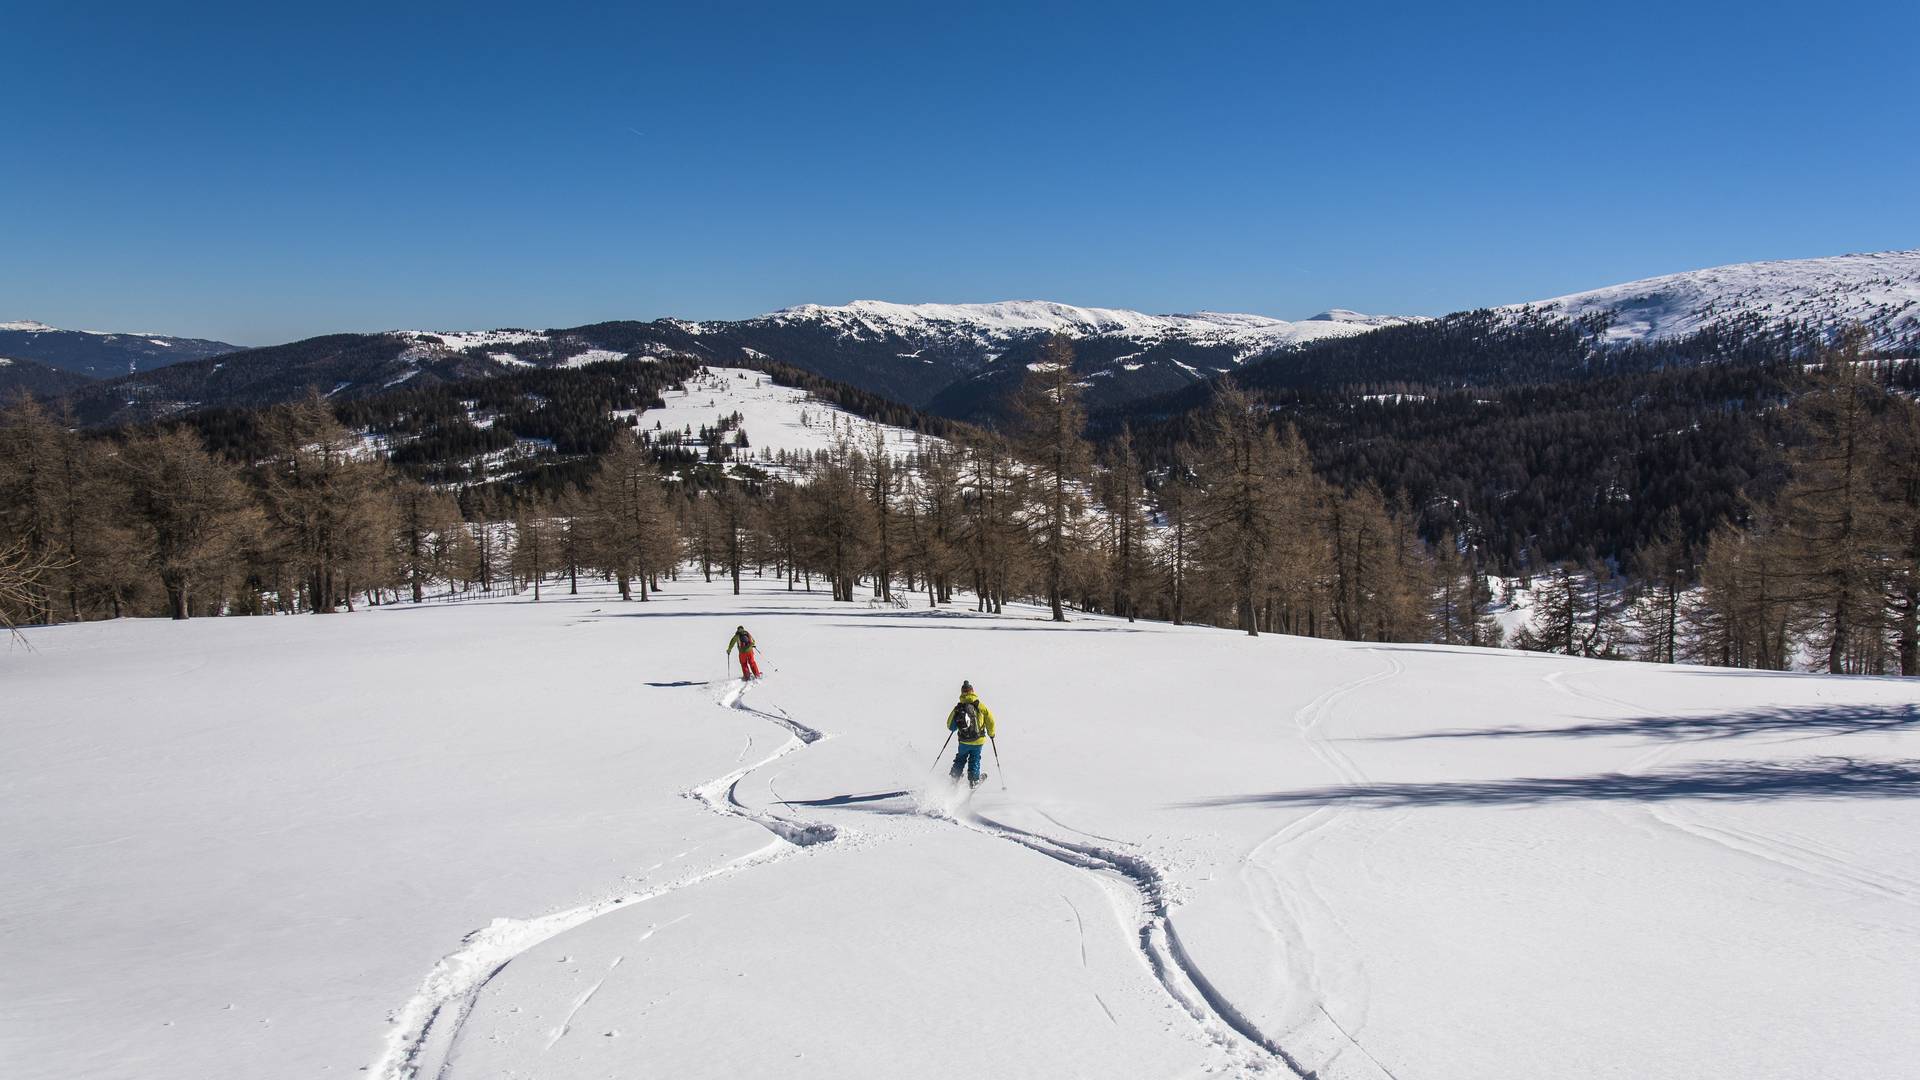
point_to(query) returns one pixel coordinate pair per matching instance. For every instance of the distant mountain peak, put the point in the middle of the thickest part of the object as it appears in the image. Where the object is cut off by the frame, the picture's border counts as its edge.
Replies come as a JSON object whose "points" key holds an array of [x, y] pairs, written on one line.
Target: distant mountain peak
{"points": [[100, 353], [1879, 291], [1026, 317], [1345, 315]]}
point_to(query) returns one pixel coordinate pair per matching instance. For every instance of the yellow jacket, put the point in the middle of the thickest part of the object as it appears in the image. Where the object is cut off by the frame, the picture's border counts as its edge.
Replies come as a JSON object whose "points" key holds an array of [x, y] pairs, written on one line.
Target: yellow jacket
{"points": [[986, 720]]}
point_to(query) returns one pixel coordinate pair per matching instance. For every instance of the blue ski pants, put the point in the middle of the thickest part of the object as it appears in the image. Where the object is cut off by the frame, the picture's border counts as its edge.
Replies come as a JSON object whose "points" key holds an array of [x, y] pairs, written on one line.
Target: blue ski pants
{"points": [[969, 759]]}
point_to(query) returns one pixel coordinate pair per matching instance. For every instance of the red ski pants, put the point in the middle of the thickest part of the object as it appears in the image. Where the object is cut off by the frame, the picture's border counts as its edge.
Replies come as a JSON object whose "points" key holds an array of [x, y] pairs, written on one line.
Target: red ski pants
{"points": [[749, 667]]}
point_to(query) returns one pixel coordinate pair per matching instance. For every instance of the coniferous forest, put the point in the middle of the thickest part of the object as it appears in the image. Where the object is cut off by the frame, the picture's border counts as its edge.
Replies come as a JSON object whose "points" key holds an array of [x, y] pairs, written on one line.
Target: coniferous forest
{"points": [[1746, 497]]}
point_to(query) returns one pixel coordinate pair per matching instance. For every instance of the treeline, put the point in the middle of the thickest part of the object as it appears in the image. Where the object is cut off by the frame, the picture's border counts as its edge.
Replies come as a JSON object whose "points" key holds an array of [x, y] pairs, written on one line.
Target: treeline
{"points": [[311, 518], [155, 522], [1232, 525], [441, 433], [1823, 572]]}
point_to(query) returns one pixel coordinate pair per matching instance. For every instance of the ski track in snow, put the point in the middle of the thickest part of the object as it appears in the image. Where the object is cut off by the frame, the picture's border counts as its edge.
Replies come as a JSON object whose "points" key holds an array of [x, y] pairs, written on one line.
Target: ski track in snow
{"points": [[1276, 868], [1219, 1021], [566, 1023], [426, 1029], [1806, 859], [722, 795], [425, 1032]]}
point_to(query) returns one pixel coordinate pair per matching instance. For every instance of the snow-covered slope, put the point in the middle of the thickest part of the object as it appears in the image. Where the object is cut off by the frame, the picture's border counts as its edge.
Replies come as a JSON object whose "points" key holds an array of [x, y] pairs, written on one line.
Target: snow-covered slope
{"points": [[1878, 291], [517, 839], [778, 420], [991, 323]]}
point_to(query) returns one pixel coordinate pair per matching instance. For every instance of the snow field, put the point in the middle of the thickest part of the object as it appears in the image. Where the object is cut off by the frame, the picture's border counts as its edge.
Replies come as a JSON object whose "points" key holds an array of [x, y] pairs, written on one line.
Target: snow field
{"points": [[1214, 854], [246, 844], [775, 417]]}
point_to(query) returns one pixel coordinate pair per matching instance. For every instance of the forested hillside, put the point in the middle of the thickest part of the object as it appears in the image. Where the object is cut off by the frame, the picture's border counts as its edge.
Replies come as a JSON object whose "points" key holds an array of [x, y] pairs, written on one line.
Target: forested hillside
{"points": [[1726, 500], [96, 354], [1528, 433], [34, 379]]}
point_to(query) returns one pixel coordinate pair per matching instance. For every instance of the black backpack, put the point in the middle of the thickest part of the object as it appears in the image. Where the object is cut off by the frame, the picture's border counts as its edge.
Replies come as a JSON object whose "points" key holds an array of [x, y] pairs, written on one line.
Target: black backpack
{"points": [[965, 719]]}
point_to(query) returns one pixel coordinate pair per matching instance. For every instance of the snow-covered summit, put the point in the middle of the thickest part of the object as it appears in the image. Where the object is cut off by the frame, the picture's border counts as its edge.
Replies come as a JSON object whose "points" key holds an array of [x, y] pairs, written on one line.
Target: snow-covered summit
{"points": [[1014, 318], [1343, 315], [29, 326], [1879, 291]]}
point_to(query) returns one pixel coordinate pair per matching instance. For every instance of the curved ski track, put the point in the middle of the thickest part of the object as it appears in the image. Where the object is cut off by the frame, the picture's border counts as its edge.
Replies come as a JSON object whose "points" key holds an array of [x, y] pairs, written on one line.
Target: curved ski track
{"points": [[1291, 893], [1218, 1019], [426, 1028]]}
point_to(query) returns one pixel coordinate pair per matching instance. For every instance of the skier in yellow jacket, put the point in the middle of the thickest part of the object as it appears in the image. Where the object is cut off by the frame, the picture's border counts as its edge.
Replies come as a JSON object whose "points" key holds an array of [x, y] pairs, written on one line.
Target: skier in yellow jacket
{"points": [[972, 722]]}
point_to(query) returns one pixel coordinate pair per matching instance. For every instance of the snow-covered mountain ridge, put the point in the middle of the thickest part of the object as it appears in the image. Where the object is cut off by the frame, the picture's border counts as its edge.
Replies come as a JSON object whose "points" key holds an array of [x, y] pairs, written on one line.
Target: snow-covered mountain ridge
{"points": [[958, 360], [1046, 316], [100, 353], [1879, 291], [1022, 318]]}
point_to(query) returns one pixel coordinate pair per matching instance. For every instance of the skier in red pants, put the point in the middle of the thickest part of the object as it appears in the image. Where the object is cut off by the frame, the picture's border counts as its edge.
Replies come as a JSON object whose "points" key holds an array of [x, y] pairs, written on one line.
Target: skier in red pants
{"points": [[749, 667]]}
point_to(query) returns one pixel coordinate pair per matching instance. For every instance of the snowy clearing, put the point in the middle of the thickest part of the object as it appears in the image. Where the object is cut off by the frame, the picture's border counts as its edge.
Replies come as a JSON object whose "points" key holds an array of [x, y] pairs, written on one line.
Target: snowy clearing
{"points": [[775, 417], [500, 838]]}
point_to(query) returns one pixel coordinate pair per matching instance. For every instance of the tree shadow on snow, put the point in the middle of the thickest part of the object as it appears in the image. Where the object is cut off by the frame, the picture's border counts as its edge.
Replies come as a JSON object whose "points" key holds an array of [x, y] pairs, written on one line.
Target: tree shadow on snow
{"points": [[1686, 671], [1798, 721], [1718, 781], [1455, 651]]}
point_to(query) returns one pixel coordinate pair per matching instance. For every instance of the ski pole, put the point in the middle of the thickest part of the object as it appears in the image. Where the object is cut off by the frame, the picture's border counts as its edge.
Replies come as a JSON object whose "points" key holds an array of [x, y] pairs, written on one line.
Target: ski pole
{"points": [[942, 753], [996, 762]]}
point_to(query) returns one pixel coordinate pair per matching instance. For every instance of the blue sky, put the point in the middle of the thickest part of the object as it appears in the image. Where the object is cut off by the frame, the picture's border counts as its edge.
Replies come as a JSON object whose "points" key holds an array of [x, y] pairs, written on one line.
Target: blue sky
{"points": [[264, 172]]}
